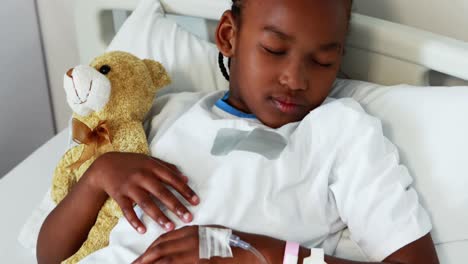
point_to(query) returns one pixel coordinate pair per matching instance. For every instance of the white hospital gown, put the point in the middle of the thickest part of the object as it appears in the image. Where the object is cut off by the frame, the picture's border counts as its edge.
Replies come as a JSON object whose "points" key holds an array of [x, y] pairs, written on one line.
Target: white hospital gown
{"points": [[303, 182]]}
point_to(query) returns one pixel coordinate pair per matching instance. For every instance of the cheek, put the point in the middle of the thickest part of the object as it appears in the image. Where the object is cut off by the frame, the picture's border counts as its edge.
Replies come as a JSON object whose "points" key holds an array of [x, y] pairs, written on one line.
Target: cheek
{"points": [[320, 85], [257, 67], [322, 77]]}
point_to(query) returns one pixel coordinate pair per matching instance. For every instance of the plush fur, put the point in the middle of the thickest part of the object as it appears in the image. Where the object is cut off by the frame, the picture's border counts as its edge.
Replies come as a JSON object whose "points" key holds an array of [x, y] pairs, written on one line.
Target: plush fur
{"points": [[121, 97]]}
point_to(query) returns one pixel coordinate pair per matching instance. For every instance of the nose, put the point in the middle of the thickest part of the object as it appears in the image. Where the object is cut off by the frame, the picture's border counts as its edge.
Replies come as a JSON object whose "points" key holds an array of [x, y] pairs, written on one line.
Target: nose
{"points": [[294, 76], [70, 73]]}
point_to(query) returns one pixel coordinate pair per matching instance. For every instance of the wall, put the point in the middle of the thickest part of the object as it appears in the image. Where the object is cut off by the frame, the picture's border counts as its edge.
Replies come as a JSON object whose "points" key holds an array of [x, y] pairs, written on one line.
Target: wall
{"points": [[442, 17], [58, 32], [25, 110]]}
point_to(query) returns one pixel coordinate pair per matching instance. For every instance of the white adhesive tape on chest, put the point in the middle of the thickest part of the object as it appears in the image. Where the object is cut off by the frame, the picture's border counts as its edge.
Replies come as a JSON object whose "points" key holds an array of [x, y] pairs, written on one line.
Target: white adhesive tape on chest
{"points": [[214, 242]]}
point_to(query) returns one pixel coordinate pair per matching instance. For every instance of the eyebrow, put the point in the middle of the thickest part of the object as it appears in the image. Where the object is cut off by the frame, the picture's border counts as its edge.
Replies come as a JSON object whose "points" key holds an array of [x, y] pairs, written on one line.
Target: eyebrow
{"points": [[330, 46], [324, 47], [278, 32]]}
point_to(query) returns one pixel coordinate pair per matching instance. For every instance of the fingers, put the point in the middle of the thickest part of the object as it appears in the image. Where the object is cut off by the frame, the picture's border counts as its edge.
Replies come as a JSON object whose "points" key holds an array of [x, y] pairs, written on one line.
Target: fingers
{"points": [[151, 179], [188, 257], [176, 258], [160, 192], [127, 208], [143, 199], [173, 168], [167, 175], [175, 235], [184, 250]]}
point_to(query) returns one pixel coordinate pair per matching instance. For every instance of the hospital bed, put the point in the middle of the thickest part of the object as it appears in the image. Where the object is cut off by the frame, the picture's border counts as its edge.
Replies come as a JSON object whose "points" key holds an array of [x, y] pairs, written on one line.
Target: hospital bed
{"points": [[378, 51]]}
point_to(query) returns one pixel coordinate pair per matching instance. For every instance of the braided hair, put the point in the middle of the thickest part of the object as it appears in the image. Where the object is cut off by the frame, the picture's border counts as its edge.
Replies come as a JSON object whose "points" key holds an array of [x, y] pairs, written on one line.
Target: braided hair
{"points": [[236, 10]]}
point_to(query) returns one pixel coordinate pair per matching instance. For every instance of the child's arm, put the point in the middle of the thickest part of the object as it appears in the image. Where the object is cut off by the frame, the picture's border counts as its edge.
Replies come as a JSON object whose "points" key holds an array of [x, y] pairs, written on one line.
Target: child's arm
{"points": [[129, 179], [182, 246], [67, 226]]}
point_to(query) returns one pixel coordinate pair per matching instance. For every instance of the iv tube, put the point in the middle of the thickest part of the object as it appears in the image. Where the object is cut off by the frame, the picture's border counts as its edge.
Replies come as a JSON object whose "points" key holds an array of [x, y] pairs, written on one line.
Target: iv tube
{"points": [[235, 241]]}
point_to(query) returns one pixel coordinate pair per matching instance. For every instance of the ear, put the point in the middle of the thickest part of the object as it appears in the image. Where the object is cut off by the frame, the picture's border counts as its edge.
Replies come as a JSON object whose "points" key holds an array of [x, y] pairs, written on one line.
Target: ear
{"points": [[158, 73], [226, 33]]}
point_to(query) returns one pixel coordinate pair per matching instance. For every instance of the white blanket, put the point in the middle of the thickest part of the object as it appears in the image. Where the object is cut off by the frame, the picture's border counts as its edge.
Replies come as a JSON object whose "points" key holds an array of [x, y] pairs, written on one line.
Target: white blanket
{"points": [[303, 182]]}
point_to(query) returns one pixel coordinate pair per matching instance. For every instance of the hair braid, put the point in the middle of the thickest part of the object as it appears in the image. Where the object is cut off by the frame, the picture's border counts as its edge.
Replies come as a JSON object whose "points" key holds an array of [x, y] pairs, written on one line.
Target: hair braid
{"points": [[222, 67]]}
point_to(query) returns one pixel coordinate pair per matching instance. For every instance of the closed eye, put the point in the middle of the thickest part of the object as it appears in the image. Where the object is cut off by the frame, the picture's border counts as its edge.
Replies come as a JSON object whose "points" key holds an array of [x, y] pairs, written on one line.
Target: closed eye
{"points": [[325, 65], [274, 52]]}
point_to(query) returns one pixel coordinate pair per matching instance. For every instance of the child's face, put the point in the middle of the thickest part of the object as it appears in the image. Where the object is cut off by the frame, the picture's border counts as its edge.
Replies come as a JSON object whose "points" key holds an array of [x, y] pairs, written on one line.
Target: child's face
{"points": [[285, 56]]}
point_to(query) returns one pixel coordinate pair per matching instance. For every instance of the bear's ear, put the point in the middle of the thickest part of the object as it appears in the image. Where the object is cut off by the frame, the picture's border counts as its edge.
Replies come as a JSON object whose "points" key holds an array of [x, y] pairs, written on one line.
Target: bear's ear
{"points": [[158, 73]]}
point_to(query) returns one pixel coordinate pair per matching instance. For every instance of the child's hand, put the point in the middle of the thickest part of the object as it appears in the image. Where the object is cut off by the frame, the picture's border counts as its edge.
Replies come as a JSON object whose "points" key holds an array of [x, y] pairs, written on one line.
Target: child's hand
{"points": [[131, 178], [181, 246]]}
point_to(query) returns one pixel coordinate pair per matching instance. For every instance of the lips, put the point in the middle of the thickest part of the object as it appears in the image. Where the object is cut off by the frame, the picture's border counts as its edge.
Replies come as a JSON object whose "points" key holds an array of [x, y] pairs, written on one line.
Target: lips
{"points": [[286, 104]]}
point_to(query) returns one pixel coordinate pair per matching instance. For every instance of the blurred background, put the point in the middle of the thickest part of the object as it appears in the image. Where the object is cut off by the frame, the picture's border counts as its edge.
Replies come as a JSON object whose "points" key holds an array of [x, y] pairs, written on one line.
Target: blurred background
{"points": [[39, 44]]}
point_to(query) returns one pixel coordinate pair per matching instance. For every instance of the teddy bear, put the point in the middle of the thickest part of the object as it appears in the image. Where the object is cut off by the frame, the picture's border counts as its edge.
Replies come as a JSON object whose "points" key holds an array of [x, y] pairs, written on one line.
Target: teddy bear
{"points": [[110, 99]]}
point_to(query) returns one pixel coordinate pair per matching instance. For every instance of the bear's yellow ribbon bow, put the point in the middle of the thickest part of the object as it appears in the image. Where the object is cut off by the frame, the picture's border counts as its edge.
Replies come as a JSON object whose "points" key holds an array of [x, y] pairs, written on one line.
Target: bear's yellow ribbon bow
{"points": [[97, 141]]}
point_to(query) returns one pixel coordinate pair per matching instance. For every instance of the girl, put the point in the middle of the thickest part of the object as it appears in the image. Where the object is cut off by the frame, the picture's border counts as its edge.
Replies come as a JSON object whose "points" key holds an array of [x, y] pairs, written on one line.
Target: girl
{"points": [[271, 148]]}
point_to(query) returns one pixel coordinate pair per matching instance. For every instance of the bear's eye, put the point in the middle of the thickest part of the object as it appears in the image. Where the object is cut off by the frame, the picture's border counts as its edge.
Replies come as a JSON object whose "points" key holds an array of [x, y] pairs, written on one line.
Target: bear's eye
{"points": [[105, 69]]}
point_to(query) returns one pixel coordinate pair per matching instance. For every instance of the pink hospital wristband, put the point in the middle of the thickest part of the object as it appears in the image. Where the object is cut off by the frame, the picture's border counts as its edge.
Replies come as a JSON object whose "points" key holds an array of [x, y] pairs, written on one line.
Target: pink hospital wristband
{"points": [[291, 253]]}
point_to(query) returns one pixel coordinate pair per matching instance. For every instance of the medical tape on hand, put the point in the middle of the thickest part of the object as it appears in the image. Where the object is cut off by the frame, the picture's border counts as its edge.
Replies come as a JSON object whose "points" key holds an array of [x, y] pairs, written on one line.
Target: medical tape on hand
{"points": [[214, 242]]}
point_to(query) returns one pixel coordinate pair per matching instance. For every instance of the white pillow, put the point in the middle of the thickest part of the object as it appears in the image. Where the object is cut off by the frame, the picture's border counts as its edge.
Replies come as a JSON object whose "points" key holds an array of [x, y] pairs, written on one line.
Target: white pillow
{"points": [[430, 127], [191, 62]]}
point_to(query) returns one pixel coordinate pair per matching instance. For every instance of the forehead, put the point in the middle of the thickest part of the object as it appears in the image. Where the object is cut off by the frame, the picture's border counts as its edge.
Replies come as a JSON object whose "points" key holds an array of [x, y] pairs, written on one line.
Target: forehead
{"points": [[321, 20]]}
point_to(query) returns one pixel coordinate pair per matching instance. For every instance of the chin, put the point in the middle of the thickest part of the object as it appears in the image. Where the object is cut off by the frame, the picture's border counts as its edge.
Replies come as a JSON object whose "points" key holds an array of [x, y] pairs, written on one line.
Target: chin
{"points": [[278, 122]]}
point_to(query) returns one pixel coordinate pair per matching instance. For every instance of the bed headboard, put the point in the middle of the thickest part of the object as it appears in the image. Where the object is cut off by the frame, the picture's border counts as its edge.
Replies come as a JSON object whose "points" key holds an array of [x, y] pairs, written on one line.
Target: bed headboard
{"points": [[377, 51]]}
